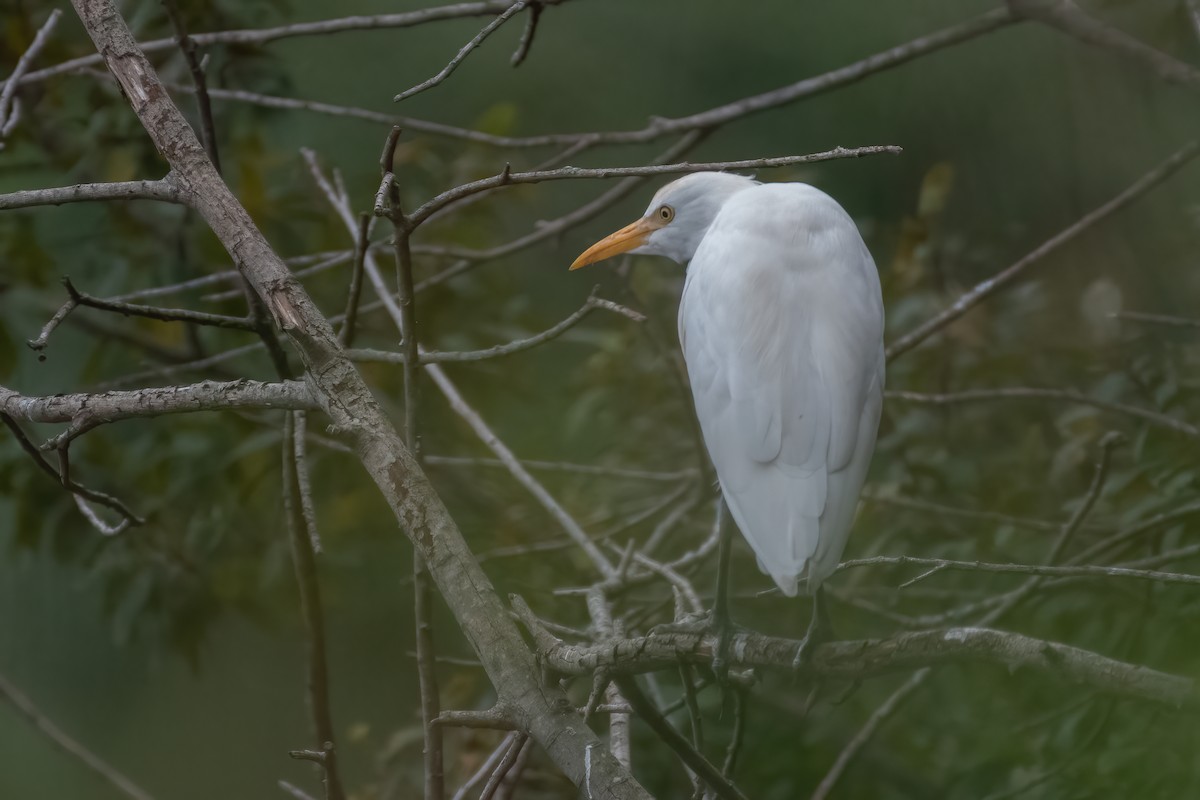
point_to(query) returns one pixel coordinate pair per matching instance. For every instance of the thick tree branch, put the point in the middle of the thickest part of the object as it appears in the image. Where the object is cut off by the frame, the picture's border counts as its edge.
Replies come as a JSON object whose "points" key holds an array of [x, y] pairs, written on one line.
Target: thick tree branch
{"points": [[870, 657], [543, 711], [98, 409]]}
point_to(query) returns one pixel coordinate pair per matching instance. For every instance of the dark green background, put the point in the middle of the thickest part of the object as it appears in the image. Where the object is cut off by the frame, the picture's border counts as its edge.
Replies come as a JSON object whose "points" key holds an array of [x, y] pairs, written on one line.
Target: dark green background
{"points": [[176, 654]]}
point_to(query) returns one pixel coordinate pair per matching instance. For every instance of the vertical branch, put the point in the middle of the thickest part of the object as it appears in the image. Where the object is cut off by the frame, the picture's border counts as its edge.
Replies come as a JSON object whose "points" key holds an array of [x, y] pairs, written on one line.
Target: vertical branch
{"points": [[9, 108], [208, 130], [354, 294], [310, 608], [422, 585]]}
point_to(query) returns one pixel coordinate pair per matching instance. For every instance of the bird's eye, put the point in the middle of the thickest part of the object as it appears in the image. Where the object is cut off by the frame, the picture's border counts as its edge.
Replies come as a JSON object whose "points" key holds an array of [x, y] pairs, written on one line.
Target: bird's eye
{"points": [[666, 213]]}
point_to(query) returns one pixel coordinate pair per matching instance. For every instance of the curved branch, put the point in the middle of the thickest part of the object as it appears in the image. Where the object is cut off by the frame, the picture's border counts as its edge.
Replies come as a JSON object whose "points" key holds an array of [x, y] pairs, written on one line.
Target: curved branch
{"points": [[437, 357]]}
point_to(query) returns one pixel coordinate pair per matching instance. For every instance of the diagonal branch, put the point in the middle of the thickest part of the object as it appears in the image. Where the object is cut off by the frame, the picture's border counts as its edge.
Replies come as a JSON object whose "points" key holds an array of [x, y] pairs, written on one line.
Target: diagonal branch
{"points": [[462, 54], [8, 110], [985, 289], [541, 710], [1067, 17], [26, 708]]}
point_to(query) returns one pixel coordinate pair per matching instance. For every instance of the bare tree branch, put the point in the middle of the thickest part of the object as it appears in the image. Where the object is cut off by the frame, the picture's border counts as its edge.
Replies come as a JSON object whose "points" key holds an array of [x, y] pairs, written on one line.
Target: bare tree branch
{"points": [[871, 657], [880, 715], [164, 190], [1067, 17], [1087, 571], [9, 112], [99, 409], [346, 398], [82, 494], [187, 45], [66, 743], [1002, 279], [438, 357], [1159, 319], [531, 27], [1037, 393], [261, 36], [508, 178], [301, 535], [462, 54]]}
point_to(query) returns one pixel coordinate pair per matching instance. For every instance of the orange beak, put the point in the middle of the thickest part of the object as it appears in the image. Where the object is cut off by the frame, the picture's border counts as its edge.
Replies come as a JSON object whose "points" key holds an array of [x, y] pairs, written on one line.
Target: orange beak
{"points": [[630, 237]]}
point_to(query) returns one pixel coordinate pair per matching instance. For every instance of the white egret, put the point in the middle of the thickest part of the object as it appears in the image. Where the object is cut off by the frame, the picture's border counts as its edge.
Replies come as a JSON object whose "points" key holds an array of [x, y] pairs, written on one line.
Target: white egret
{"points": [[781, 324]]}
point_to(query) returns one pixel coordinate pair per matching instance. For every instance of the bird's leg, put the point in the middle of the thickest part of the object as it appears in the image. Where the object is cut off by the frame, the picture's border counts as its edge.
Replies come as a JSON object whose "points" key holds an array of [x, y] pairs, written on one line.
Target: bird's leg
{"points": [[718, 620], [721, 619], [820, 630]]}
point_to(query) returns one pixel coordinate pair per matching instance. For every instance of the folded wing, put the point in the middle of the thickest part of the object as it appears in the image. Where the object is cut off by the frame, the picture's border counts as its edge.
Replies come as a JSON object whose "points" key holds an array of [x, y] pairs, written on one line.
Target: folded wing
{"points": [[782, 325]]}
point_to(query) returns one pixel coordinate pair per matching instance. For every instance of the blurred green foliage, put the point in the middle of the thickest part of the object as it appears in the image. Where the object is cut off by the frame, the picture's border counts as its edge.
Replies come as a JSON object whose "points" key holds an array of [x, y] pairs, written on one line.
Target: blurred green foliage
{"points": [[174, 650]]}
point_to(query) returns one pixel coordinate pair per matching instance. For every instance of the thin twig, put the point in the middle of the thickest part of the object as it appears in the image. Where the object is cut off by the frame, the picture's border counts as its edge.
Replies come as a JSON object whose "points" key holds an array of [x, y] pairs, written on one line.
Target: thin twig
{"points": [[531, 26], [160, 314], [187, 45], [487, 767], [562, 466], [67, 744], [863, 735], [354, 294], [325, 27], [497, 351], [312, 614], [446, 71], [1038, 393], [1158, 319], [506, 763], [694, 760], [1084, 571], [985, 289], [1067, 17], [72, 486], [509, 178], [8, 93]]}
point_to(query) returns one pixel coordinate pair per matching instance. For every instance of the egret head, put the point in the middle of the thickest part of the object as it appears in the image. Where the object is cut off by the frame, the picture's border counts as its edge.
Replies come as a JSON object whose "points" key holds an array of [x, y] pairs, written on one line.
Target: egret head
{"points": [[675, 222]]}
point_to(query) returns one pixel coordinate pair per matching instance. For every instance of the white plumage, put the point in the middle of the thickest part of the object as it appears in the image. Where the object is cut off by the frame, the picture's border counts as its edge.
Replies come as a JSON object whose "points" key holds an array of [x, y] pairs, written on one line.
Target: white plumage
{"points": [[781, 324]]}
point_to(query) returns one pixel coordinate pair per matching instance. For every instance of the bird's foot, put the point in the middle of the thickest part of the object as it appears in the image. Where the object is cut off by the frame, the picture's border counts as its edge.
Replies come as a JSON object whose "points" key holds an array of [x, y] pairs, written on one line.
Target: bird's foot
{"points": [[820, 630], [707, 623]]}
